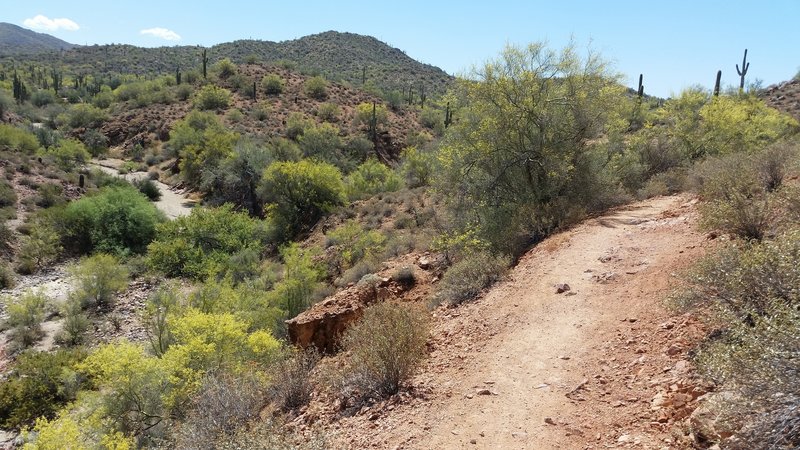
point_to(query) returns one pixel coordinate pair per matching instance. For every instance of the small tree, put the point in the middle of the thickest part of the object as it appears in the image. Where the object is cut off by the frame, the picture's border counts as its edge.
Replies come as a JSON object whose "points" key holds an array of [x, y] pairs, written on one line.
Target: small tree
{"points": [[25, 316], [98, 278], [316, 87], [212, 97], [272, 84], [298, 194]]}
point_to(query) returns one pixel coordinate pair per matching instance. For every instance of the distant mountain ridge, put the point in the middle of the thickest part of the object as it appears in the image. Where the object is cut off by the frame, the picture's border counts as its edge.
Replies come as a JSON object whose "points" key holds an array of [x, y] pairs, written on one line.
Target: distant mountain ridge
{"points": [[356, 59], [15, 40]]}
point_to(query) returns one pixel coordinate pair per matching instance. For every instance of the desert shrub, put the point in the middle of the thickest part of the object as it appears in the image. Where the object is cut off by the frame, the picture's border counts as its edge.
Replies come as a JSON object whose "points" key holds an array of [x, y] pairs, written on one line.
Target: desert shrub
{"points": [[95, 141], [364, 115], [18, 139], [103, 99], [25, 316], [184, 92], [405, 276], [296, 125], [272, 84], [357, 272], [386, 346], [39, 248], [468, 277], [261, 112], [7, 278], [236, 178], [329, 112], [322, 142], [665, 183], [201, 244], [222, 405], [98, 279], [358, 148], [49, 194], [774, 162], [7, 195], [290, 386], [68, 154], [42, 97], [39, 385], [149, 188], [355, 243], [83, 115], [116, 220], [433, 119], [75, 324], [416, 167], [298, 194], [371, 178], [202, 143], [302, 275], [225, 68], [316, 87], [212, 97]]}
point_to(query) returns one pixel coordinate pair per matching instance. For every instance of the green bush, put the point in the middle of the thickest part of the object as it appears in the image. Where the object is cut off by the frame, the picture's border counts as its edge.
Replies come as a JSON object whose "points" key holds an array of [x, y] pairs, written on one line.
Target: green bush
{"points": [[149, 188], [42, 97], [433, 119], [329, 112], [272, 84], [225, 68], [316, 87], [7, 278], [322, 142], [386, 347], [49, 194], [298, 194], [95, 141], [296, 125], [416, 167], [201, 244], [40, 384], [364, 111], [212, 97], [68, 154], [18, 139], [302, 275], [116, 220], [39, 248], [75, 323], [355, 243], [468, 277], [98, 279], [371, 178], [25, 316], [7, 195], [83, 115]]}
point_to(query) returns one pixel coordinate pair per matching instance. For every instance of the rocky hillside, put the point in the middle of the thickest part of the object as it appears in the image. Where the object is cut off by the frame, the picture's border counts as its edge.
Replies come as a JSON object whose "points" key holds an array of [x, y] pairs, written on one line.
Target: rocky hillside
{"points": [[785, 97], [15, 40], [356, 59]]}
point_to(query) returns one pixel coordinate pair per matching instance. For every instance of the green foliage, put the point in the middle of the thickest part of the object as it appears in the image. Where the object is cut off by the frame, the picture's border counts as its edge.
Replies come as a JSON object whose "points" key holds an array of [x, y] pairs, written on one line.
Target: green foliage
{"points": [[95, 142], [68, 154], [386, 347], [329, 112], [301, 278], [75, 324], [200, 244], [7, 278], [7, 195], [298, 194], [417, 167], [149, 188], [468, 277], [18, 139], [296, 125], [363, 115], [212, 97], [98, 279], [523, 159], [316, 88], [42, 98], [25, 316], [433, 119], [322, 142], [371, 178], [225, 68], [272, 84], [117, 220], [39, 248], [201, 143], [39, 384], [355, 243], [83, 115], [236, 179]]}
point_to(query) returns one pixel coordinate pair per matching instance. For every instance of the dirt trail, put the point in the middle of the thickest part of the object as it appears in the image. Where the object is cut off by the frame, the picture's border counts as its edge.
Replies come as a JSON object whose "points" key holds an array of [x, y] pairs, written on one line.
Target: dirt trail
{"points": [[526, 367]]}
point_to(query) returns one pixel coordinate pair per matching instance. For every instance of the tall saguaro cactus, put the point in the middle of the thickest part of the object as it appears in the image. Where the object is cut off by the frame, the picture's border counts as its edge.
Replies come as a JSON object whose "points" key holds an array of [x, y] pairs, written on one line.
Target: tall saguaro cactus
{"points": [[205, 64], [743, 71], [640, 91], [716, 85]]}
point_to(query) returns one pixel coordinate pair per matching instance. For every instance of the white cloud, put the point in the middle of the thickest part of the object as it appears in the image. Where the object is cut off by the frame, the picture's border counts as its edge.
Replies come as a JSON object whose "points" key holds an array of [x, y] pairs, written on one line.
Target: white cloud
{"points": [[41, 22], [162, 33]]}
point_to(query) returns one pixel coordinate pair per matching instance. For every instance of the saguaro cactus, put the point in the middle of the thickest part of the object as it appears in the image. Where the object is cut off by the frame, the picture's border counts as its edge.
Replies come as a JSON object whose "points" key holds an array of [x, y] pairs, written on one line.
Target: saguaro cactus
{"points": [[448, 116], [716, 84], [422, 97], [205, 64], [743, 71], [640, 91], [177, 75]]}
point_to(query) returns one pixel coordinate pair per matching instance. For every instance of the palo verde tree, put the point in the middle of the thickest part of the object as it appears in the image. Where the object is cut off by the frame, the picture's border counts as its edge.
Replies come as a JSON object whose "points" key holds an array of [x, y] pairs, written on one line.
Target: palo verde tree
{"points": [[523, 156]]}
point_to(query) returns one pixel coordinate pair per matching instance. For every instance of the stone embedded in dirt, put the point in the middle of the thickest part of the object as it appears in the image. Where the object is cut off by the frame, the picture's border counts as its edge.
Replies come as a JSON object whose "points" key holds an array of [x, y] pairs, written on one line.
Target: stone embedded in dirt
{"points": [[674, 349], [485, 392], [424, 263], [549, 421], [542, 386], [561, 288], [564, 357], [519, 434]]}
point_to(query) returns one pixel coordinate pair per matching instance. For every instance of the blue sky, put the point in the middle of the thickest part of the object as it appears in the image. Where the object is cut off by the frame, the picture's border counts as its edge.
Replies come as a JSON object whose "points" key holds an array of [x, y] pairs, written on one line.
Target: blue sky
{"points": [[675, 43]]}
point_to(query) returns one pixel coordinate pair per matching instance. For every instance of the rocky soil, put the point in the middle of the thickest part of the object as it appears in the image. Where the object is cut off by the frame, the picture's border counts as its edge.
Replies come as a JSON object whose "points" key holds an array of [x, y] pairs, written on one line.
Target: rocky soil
{"points": [[576, 349]]}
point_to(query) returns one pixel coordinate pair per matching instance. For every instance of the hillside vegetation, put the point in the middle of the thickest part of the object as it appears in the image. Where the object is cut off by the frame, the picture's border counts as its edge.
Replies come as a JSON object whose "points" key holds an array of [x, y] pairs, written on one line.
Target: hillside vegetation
{"points": [[310, 190]]}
